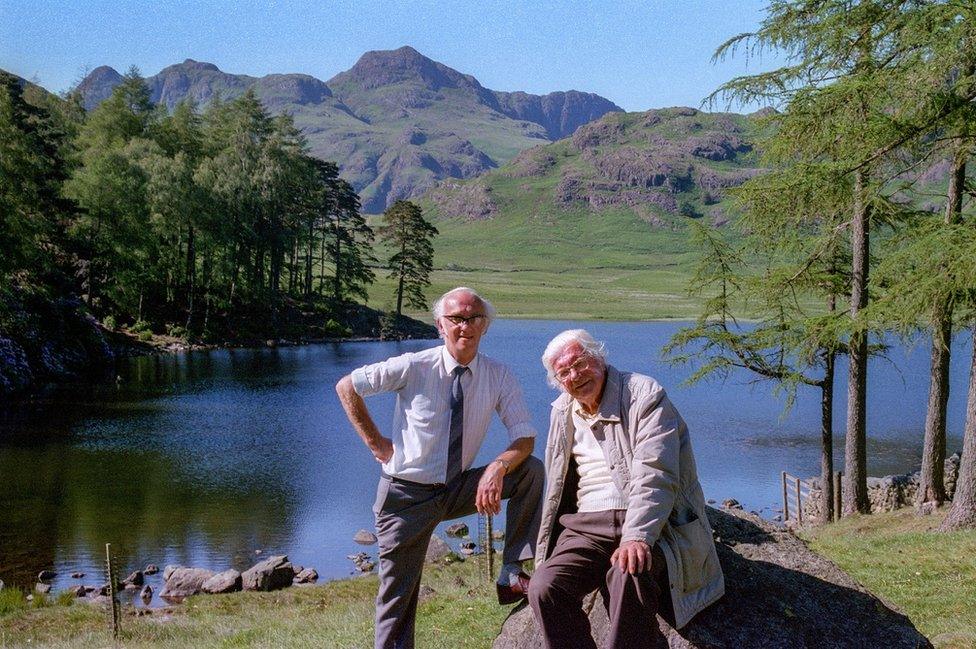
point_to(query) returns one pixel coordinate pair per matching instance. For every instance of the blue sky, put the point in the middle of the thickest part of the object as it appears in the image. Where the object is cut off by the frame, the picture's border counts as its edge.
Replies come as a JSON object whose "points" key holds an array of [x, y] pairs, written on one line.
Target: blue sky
{"points": [[639, 55]]}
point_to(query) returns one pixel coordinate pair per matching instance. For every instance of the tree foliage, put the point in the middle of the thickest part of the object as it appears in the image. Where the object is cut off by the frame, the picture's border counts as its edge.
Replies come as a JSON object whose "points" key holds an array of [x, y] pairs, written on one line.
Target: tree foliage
{"points": [[211, 221], [410, 238]]}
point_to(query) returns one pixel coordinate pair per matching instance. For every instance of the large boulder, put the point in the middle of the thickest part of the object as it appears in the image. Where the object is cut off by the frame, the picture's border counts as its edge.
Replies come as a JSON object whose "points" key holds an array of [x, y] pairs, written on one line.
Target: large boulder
{"points": [[271, 574], [228, 581], [183, 582], [778, 593]]}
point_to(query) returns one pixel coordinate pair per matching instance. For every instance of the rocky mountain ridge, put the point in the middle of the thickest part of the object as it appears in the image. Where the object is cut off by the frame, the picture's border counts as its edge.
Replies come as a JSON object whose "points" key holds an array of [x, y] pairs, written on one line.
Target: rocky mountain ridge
{"points": [[397, 122], [667, 166]]}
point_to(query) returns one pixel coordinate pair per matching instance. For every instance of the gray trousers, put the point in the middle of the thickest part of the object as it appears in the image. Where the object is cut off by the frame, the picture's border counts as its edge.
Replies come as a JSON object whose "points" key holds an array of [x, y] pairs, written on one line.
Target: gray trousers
{"points": [[406, 515]]}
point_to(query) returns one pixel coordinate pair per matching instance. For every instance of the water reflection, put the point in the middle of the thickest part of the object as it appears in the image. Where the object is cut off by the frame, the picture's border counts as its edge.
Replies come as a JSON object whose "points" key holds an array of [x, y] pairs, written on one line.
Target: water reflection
{"points": [[207, 458]]}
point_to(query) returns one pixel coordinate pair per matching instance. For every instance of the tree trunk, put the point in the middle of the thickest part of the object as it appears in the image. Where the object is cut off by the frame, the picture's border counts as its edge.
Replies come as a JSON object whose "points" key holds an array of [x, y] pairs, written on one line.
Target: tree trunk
{"points": [[931, 487], [855, 444], [962, 512], [308, 261], [191, 276], [827, 439]]}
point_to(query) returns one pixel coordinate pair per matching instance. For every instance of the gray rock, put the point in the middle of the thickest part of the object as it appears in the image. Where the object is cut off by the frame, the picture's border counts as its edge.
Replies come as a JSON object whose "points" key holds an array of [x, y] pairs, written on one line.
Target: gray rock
{"points": [[457, 530], [46, 575], [364, 537], [183, 582], [306, 576], [134, 579], [1, 584], [146, 594], [731, 503], [168, 570], [437, 549], [271, 574], [78, 591], [778, 594], [77, 575], [151, 569], [228, 581], [42, 587]]}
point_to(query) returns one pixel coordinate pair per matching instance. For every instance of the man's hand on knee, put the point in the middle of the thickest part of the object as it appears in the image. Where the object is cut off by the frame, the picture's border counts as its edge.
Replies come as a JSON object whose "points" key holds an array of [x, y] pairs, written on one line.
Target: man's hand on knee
{"points": [[632, 557], [489, 497]]}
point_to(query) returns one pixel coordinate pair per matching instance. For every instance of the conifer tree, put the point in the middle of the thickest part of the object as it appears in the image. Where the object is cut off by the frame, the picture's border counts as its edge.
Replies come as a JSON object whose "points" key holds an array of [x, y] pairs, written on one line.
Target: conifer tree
{"points": [[410, 238]]}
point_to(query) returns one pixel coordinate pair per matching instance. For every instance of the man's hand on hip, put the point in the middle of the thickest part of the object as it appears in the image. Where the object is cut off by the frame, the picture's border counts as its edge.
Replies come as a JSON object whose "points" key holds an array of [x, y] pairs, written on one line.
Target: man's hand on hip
{"points": [[489, 497], [382, 449], [632, 557]]}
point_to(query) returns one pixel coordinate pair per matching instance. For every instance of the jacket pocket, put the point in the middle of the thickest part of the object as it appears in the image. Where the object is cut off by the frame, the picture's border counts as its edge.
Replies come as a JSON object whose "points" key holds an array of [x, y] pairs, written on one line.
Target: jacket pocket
{"points": [[693, 541]]}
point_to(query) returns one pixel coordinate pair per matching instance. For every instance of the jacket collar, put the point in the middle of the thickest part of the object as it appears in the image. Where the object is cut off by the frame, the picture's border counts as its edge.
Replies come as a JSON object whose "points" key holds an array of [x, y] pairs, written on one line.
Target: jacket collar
{"points": [[610, 403]]}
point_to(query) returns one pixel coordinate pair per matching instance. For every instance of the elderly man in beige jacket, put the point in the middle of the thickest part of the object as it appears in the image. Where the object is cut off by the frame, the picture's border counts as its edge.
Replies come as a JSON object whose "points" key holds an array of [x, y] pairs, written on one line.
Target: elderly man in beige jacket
{"points": [[623, 512]]}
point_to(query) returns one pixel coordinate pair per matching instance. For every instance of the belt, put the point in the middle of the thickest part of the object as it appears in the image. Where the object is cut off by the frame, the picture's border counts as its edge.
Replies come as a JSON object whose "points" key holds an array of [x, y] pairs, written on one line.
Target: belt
{"points": [[411, 483]]}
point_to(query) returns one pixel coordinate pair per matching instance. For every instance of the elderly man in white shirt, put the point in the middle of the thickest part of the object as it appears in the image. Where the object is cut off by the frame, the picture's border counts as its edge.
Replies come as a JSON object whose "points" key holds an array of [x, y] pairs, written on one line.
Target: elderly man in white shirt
{"points": [[445, 399]]}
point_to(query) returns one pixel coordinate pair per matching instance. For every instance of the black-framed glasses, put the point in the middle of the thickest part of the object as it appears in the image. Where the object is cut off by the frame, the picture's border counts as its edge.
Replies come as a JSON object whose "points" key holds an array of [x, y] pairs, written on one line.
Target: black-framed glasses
{"points": [[581, 365], [458, 320]]}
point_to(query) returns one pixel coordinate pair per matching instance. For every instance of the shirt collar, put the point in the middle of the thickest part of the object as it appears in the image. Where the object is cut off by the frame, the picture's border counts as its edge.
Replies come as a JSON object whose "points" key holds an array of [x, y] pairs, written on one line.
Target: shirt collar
{"points": [[450, 363]]}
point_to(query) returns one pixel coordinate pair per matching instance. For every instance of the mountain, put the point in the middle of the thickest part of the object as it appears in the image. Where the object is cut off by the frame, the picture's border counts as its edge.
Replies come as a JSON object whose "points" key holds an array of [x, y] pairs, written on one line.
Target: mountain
{"points": [[665, 167], [397, 122], [597, 222]]}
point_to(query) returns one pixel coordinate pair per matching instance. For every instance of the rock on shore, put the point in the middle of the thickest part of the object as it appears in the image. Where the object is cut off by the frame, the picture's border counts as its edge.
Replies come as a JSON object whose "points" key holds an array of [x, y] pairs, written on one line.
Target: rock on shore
{"points": [[778, 594]]}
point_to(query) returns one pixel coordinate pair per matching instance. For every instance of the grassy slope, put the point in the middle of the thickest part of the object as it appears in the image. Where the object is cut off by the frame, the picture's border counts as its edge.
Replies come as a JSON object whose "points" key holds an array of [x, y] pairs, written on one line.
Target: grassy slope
{"points": [[538, 258], [339, 614], [929, 576]]}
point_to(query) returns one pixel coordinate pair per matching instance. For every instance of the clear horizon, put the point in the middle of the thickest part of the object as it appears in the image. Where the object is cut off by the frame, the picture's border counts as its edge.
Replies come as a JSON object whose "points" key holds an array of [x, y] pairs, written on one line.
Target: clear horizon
{"points": [[637, 55]]}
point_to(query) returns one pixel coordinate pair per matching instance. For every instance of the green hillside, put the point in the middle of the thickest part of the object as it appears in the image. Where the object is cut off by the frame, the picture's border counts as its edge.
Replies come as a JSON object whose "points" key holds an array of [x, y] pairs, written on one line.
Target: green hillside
{"points": [[593, 226]]}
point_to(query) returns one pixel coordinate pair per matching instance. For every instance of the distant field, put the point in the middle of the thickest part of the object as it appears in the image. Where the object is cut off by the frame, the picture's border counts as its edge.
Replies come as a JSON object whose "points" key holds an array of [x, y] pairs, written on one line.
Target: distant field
{"points": [[611, 294]]}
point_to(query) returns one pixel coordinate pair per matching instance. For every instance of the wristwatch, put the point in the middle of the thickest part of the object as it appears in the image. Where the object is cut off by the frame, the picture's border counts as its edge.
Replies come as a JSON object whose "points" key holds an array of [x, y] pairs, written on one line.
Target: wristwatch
{"points": [[504, 463]]}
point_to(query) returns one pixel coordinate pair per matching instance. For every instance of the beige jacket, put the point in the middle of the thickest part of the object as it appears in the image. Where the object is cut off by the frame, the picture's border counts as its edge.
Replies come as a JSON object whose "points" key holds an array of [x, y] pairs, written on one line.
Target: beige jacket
{"points": [[646, 446]]}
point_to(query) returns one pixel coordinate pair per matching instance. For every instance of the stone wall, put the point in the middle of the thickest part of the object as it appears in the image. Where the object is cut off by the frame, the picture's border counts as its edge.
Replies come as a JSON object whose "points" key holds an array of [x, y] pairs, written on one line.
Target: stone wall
{"points": [[885, 494]]}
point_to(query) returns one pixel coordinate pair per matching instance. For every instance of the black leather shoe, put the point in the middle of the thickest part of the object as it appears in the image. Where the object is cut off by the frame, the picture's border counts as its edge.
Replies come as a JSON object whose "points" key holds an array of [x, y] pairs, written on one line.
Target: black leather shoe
{"points": [[511, 593]]}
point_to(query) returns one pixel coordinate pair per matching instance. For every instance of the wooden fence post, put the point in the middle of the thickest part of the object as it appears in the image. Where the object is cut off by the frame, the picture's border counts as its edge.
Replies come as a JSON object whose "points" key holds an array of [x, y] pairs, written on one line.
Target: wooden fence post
{"points": [[113, 591], [799, 503], [786, 498]]}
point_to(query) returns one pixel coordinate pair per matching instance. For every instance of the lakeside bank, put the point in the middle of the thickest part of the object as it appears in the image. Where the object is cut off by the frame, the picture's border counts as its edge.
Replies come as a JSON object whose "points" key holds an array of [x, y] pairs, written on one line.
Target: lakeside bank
{"points": [[929, 576]]}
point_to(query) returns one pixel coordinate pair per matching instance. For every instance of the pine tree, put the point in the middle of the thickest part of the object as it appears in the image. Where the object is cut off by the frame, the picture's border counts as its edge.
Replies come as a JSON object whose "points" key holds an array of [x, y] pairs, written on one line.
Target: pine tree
{"points": [[410, 238]]}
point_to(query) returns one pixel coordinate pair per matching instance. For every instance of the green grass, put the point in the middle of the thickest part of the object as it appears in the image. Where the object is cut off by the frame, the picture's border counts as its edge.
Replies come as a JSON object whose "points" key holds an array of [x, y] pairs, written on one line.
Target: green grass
{"points": [[339, 614], [930, 576]]}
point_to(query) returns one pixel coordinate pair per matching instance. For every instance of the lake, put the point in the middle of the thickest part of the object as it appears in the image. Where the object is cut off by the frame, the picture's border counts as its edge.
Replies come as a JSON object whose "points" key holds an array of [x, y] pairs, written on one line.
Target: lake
{"points": [[219, 458]]}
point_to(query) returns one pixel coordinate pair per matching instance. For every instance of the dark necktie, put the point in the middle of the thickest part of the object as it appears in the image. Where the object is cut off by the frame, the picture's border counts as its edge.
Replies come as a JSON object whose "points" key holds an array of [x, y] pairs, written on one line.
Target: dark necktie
{"points": [[457, 425]]}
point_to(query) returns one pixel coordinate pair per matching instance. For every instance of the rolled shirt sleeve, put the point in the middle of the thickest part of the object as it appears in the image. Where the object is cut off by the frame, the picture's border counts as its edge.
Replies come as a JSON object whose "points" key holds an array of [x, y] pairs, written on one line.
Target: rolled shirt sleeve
{"points": [[512, 410], [386, 376]]}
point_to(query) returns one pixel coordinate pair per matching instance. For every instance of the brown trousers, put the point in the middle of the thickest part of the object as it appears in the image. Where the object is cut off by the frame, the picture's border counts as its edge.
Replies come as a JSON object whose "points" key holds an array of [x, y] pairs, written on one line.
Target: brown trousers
{"points": [[580, 564]]}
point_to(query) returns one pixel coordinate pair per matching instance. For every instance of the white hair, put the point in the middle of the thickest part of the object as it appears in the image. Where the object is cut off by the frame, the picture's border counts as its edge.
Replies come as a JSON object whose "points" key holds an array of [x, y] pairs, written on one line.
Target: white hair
{"points": [[582, 337], [438, 308]]}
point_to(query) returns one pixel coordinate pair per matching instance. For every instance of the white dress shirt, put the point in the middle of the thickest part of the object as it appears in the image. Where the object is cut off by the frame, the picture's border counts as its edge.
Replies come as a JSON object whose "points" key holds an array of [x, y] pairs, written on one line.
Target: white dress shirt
{"points": [[422, 419]]}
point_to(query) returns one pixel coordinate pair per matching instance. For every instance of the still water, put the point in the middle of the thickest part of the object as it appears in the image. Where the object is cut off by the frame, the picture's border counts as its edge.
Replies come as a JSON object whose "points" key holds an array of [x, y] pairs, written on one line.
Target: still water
{"points": [[216, 459]]}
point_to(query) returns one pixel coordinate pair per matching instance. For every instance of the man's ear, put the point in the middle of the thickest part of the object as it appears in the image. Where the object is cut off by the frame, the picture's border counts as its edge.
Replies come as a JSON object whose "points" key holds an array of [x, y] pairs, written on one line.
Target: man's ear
{"points": [[440, 327]]}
